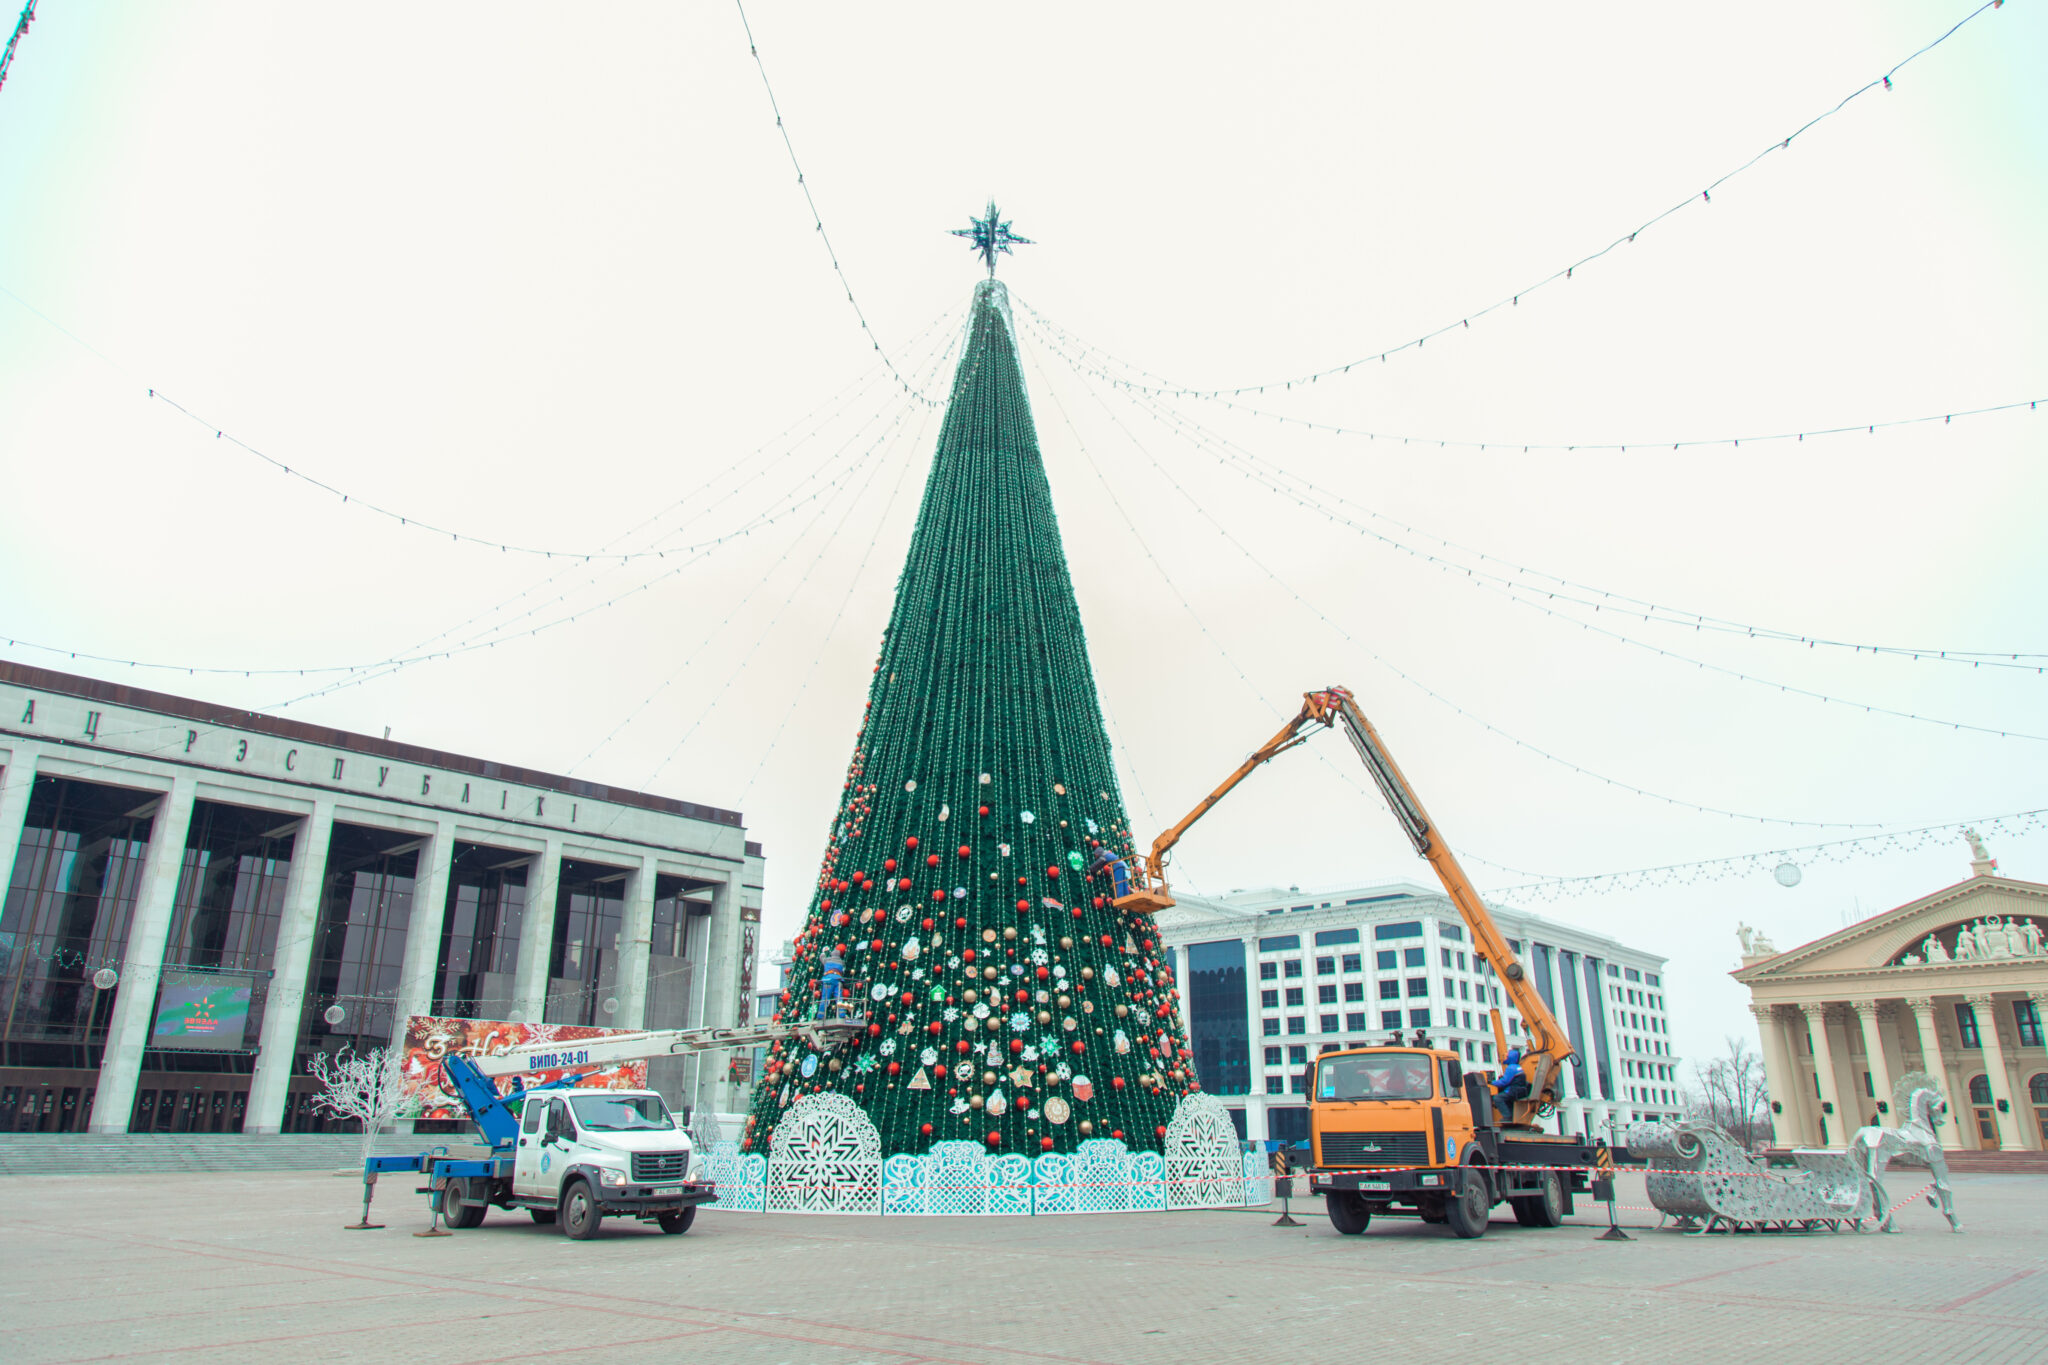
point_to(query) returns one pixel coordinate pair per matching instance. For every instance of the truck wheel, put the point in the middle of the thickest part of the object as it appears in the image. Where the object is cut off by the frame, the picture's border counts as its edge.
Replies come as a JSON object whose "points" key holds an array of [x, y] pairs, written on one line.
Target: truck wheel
{"points": [[679, 1221], [1348, 1213], [456, 1210], [1545, 1210], [1466, 1209], [544, 1217], [581, 1217]]}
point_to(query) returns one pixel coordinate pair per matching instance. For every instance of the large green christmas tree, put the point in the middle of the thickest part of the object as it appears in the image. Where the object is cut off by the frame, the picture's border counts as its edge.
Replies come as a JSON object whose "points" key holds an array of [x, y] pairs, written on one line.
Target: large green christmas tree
{"points": [[1008, 1000]]}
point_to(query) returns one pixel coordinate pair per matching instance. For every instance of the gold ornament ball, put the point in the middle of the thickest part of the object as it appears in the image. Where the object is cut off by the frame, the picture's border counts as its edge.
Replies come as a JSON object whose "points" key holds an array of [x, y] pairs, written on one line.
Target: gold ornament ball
{"points": [[1087, 973], [968, 995], [988, 973], [1066, 942], [1064, 1001], [835, 1064], [1122, 1010], [988, 1078], [1087, 1127], [1010, 932], [974, 1101], [1045, 1016]]}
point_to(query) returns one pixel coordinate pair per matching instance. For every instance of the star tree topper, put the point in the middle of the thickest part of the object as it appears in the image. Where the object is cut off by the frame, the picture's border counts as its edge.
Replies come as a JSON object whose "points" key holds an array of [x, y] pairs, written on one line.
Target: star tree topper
{"points": [[991, 235]]}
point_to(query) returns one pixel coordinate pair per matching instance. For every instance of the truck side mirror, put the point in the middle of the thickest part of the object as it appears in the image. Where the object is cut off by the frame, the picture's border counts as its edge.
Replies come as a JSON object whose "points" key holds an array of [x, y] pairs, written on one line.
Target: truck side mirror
{"points": [[1454, 1077]]}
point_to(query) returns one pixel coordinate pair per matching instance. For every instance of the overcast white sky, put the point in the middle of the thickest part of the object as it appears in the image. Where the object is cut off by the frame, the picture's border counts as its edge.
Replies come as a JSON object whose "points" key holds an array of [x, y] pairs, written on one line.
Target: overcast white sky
{"points": [[539, 274]]}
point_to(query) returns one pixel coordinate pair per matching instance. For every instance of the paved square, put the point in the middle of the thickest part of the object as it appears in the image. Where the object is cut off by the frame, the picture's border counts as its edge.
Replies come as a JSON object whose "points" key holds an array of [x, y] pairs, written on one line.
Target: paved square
{"points": [[257, 1268]]}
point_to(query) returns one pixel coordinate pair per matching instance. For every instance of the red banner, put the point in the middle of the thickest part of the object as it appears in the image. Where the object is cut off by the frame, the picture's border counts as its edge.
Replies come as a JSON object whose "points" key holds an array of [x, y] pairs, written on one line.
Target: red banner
{"points": [[428, 1039]]}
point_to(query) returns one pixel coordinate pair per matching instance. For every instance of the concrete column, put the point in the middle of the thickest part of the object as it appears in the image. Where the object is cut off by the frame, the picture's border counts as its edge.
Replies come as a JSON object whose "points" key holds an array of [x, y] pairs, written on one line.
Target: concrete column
{"points": [[2029, 1123], [1932, 1060], [1824, 1070], [1255, 1042], [537, 933], [423, 931], [17, 783], [1781, 1077], [143, 959], [1872, 1023], [2004, 1112], [636, 943], [292, 963]]}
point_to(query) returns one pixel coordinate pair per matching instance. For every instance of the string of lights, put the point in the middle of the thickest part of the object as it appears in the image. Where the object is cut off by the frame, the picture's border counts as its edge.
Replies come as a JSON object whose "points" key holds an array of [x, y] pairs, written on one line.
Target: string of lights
{"points": [[1318, 498], [2016, 823], [1564, 273], [28, 15], [1509, 591], [1424, 688], [516, 629], [1052, 333], [817, 218], [738, 609]]}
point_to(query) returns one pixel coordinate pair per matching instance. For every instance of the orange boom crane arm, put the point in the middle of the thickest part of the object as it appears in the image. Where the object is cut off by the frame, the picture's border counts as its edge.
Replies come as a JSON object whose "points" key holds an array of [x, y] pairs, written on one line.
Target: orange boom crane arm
{"points": [[1545, 1049], [1149, 891]]}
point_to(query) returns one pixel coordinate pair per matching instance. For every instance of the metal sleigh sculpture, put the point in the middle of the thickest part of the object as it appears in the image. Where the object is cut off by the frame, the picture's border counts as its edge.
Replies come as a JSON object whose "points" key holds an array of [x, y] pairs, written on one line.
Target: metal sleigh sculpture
{"points": [[1701, 1176]]}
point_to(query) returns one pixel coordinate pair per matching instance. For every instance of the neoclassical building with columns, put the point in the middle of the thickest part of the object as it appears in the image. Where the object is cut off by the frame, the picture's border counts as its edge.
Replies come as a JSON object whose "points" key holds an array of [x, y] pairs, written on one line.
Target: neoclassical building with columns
{"points": [[199, 900], [1954, 984]]}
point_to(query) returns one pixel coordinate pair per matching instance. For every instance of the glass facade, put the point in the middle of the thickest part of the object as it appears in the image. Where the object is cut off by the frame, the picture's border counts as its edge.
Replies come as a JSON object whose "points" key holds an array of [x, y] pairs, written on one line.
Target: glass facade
{"points": [[1568, 963], [1602, 1065], [1217, 1019], [479, 959], [77, 871], [359, 944], [590, 913]]}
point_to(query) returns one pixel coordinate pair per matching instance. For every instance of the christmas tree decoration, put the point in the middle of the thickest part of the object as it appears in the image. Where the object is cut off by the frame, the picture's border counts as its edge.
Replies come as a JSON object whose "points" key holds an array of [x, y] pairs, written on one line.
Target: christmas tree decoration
{"points": [[983, 940]]}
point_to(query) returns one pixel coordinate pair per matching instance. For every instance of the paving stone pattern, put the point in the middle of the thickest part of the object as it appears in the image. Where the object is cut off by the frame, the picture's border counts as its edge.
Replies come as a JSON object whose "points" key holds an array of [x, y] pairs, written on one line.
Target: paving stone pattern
{"points": [[256, 1267]]}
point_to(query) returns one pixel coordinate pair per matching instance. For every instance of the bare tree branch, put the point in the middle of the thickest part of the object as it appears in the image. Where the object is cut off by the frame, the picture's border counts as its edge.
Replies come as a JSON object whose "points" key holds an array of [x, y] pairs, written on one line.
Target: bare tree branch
{"points": [[1730, 1093], [366, 1087]]}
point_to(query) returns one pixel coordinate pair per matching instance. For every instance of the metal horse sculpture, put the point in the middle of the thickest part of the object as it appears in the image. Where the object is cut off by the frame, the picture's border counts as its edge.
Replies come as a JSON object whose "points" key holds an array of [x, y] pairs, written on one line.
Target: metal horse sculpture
{"points": [[1702, 1176], [1918, 1099]]}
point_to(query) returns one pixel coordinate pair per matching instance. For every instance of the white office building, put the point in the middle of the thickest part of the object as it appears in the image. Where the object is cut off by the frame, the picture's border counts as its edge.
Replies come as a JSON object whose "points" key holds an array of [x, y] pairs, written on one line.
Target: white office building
{"points": [[200, 899], [1270, 979]]}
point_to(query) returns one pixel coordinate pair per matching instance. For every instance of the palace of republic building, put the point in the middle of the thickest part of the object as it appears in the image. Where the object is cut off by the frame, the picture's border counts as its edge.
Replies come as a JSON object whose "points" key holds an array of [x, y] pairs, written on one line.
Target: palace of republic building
{"points": [[200, 899], [1272, 978]]}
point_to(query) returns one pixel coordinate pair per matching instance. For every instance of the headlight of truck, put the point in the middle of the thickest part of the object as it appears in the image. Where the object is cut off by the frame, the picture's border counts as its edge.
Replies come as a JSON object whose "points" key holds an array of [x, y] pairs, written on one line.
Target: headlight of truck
{"points": [[611, 1177]]}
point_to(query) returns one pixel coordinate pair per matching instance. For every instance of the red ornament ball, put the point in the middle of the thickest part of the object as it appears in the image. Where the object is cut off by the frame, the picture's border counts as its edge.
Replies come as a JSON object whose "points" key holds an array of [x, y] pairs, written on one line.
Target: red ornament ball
{"points": [[933, 1027], [1023, 906], [939, 1070], [932, 860], [1117, 1081], [1045, 1144], [1098, 902], [895, 1068], [960, 922], [1116, 1133], [927, 922], [961, 1047], [1080, 1046], [965, 851], [888, 864], [967, 954], [984, 810], [926, 1130], [1016, 1045], [938, 895], [911, 842], [903, 884], [994, 1138], [1161, 1130]]}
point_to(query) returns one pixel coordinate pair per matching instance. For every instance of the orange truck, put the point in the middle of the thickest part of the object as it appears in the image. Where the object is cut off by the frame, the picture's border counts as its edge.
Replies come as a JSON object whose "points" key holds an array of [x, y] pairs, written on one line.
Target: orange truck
{"points": [[1404, 1129]]}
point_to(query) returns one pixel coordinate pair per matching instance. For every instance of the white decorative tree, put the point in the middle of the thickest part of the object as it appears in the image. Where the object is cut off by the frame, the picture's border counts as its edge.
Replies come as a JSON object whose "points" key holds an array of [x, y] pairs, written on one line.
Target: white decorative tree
{"points": [[365, 1086]]}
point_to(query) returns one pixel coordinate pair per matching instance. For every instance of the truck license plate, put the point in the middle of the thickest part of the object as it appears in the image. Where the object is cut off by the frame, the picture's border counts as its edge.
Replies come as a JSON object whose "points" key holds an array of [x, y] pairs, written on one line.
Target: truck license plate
{"points": [[669, 1192], [1374, 1185]]}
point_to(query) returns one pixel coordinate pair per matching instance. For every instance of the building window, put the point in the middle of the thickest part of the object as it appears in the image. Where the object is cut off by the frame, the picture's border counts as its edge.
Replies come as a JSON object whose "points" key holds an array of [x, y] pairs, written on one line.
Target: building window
{"points": [[1271, 1028], [1966, 1026], [1269, 1000], [1326, 966], [1276, 1085], [1407, 928], [1418, 1018], [1329, 1047], [1418, 985], [1292, 968], [1297, 1054], [1326, 995], [1390, 1019], [2028, 1020], [1269, 971], [1297, 1025], [1412, 957], [2037, 1095], [1980, 1090], [1386, 959], [1354, 991], [1331, 938], [1300, 1084], [1280, 943], [1272, 1056], [1464, 990], [1355, 1022], [1390, 990], [1353, 962], [1294, 996], [1448, 959], [1329, 1023], [1486, 1053]]}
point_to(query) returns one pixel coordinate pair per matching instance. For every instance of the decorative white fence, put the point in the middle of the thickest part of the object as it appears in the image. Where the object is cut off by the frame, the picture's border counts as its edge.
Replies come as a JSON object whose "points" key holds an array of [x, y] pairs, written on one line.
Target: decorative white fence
{"points": [[826, 1158]]}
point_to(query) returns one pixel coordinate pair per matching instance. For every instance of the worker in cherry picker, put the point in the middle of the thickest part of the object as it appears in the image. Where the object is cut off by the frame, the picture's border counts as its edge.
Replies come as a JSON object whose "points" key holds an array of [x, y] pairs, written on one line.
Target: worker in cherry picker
{"points": [[830, 1002], [1511, 1086], [1119, 871]]}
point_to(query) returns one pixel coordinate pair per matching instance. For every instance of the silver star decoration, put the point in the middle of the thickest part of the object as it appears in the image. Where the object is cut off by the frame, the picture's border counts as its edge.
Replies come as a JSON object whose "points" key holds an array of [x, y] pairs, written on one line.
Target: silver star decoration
{"points": [[990, 237]]}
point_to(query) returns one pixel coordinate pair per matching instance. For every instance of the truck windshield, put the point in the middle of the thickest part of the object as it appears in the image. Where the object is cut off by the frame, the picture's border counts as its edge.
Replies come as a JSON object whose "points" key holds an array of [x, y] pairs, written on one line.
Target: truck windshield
{"points": [[621, 1113], [1385, 1076]]}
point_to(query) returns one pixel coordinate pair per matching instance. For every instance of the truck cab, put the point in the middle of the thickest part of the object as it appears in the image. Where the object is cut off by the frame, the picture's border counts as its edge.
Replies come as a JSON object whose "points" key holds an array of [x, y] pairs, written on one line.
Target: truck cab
{"points": [[583, 1154], [1405, 1131]]}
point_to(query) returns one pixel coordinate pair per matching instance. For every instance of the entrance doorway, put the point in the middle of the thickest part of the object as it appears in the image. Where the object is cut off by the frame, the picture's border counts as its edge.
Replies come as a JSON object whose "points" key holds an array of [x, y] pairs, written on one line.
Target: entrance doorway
{"points": [[1986, 1116]]}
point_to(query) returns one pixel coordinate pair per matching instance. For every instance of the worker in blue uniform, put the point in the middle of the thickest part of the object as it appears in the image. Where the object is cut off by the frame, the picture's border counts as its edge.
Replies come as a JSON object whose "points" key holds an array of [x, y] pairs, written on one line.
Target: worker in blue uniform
{"points": [[1511, 1086], [830, 986], [1119, 871]]}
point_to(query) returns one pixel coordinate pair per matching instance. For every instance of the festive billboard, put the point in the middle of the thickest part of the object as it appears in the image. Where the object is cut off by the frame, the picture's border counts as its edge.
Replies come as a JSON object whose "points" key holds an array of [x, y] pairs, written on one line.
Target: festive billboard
{"points": [[429, 1038], [202, 1011]]}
